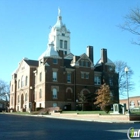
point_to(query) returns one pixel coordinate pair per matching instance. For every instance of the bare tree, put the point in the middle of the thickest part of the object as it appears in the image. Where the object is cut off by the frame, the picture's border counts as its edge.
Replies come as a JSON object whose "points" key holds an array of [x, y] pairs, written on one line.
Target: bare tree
{"points": [[4, 89], [120, 68], [104, 99], [132, 23]]}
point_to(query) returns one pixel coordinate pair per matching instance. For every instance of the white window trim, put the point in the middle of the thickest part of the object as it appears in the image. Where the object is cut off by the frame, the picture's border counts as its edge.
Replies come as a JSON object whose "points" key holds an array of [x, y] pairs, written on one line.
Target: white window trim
{"points": [[98, 80], [54, 76]]}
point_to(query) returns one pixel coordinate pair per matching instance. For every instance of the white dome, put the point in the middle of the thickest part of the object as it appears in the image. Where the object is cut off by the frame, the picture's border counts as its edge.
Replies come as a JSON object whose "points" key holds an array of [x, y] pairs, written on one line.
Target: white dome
{"points": [[50, 52]]}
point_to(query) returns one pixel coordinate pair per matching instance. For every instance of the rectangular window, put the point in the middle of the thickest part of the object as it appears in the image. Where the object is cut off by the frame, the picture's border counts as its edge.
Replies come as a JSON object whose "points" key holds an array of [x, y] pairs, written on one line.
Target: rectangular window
{"points": [[87, 76], [86, 63], [82, 75], [22, 81], [54, 76], [61, 43], [110, 81], [68, 77], [65, 44], [40, 76], [55, 61], [54, 104], [54, 93], [97, 80], [82, 62]]}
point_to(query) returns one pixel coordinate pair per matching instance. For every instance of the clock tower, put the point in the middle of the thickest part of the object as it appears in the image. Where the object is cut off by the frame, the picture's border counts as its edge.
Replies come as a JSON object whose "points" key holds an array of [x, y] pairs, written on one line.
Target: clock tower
{"points": [[60, 36]]}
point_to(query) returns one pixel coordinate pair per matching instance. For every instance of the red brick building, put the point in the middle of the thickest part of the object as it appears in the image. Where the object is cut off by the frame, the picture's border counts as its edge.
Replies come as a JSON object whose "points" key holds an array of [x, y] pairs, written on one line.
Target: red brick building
{"points": [[58, 76], [134, 102]]}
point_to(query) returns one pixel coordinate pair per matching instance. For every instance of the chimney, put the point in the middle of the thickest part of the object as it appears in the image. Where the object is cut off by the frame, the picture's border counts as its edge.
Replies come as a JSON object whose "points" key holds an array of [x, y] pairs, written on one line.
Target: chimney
{"points": [[90, 52], [104, 55]]}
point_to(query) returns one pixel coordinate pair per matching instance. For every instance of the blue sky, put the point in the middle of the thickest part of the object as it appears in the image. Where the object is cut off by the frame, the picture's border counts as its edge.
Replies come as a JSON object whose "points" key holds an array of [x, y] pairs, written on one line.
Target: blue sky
{"points": [[25, 25]]}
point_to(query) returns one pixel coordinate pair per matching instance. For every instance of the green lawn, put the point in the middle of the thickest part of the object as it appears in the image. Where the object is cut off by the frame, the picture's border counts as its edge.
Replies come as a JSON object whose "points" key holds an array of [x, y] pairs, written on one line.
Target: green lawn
{"points": [[135, 113], [86, 112], [74, 112]]}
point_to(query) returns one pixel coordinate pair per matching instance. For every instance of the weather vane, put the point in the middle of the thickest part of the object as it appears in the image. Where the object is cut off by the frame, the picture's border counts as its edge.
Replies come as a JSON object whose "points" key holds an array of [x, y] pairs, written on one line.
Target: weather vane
{"points": [[59, 12]]}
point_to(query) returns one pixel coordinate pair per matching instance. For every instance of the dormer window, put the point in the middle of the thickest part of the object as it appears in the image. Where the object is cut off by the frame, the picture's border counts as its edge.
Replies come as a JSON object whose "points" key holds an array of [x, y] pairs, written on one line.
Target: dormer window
{"points": [[86, 63], [82, 62]]}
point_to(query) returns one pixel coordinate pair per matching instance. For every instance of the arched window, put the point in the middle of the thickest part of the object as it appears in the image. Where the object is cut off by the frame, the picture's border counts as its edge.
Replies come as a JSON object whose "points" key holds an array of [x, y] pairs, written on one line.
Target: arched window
{"points": [[12, 87], [69, 94], [40, 93], [26, 80], [54, 93], [26, 97], [18, 83], [12, 101], [35, 95], [22, 81], [18, 98]]}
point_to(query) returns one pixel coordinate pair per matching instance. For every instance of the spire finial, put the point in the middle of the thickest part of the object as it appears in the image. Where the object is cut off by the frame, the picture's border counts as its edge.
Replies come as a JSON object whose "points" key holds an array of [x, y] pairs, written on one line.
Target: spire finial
{"points": [[59, 12]]}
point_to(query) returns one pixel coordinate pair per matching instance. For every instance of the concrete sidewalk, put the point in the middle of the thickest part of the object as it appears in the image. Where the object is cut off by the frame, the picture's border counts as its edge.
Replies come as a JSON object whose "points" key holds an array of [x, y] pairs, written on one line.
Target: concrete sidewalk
{"points": [[86, 117], [92, 117]]}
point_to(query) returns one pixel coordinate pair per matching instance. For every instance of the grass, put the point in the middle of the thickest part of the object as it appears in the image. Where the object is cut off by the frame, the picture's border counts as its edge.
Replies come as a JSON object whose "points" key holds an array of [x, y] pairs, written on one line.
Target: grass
{"points": [[135, 113], [74, 112], [67, 112], [86, 112]]}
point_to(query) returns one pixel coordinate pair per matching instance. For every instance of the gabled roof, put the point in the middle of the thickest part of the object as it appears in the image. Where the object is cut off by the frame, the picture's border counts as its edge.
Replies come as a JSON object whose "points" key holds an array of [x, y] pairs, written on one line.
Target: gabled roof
{"points": [[109, 62], [69, 56], [31, 62], [28, 62], [67, 63]]}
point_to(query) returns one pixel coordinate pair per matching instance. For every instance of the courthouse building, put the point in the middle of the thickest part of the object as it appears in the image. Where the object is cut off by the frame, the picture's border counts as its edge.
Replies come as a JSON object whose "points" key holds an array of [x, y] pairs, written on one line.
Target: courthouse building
{"points": [[58, 76]]}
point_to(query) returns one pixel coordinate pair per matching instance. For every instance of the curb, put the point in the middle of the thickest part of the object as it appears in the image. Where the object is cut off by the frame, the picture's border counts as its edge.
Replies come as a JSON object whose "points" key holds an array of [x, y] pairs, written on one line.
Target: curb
{"points": [[76, 119]]}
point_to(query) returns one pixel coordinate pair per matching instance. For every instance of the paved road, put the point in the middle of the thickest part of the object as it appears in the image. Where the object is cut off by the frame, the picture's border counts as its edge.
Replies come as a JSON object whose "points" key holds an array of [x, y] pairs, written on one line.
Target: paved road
{"points": [[14, 127]]}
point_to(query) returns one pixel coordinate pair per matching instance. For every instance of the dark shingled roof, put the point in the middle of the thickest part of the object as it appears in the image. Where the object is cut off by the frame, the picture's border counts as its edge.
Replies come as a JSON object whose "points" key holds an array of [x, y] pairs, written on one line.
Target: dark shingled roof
{"points": [[31, 62], [67, 63]]}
